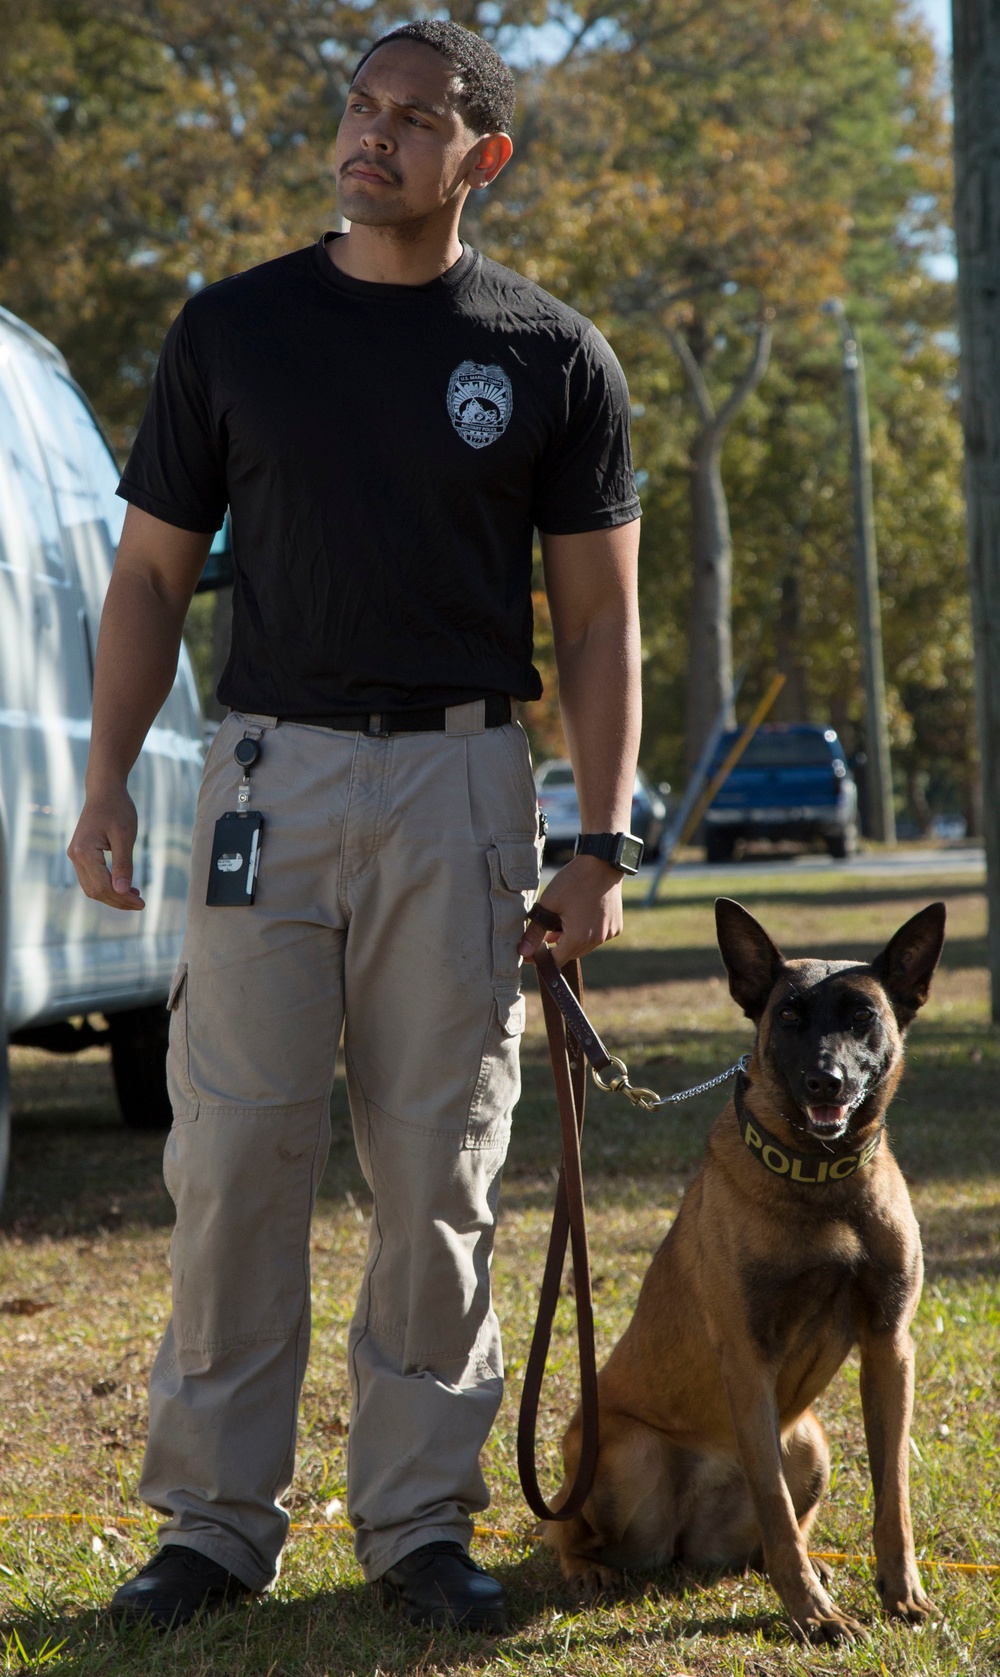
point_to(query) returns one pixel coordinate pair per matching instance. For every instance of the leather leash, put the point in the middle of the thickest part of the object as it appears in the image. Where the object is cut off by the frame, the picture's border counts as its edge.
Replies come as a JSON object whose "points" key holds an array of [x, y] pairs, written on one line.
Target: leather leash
{"points": [[572, 1042], [569, 1225]]}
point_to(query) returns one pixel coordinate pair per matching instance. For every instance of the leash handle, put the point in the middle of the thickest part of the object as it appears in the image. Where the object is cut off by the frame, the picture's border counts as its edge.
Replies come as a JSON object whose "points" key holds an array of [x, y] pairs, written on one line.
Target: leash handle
{"points": [[569, 1225], [568, 1002]]}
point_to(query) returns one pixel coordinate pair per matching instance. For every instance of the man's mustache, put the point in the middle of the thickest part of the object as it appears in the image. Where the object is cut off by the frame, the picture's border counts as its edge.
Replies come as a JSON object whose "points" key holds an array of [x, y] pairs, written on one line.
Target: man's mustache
{"points": [[377, 168]]}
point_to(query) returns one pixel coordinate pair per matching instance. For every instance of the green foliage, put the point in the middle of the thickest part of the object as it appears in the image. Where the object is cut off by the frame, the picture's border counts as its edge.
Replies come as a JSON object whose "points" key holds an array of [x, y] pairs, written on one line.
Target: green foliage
{"points": [[146, 150], [793, 527]]}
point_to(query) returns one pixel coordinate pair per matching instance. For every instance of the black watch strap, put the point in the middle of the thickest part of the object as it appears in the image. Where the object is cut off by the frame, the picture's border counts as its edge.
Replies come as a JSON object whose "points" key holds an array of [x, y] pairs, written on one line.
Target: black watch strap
{"points": [[620, 850]]}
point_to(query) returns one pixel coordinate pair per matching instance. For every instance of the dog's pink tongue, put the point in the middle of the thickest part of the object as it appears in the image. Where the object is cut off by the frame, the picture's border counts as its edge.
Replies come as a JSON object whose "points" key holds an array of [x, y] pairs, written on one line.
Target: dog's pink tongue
{"points": [[826, 1114]]}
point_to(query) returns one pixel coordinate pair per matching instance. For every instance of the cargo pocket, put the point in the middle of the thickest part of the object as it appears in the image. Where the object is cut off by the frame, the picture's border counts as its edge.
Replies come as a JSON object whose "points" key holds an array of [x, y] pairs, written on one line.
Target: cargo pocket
{"points": [[514, 878], [499, 1082], [179, 1086]]}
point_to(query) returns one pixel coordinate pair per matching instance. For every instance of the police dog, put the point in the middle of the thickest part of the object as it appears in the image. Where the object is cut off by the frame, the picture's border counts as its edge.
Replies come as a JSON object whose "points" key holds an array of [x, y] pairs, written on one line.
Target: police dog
{"points": [[795, 1242]]}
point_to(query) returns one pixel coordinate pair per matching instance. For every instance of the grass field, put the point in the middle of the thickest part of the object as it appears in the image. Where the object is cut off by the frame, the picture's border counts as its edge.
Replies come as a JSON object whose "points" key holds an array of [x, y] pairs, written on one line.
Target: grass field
{"points": [[84, 1292]]}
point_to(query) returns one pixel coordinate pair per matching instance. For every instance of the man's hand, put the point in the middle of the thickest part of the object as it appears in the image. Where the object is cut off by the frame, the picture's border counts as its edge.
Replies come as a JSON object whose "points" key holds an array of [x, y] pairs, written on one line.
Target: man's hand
{"points": [[108, 822], [587, 896]]}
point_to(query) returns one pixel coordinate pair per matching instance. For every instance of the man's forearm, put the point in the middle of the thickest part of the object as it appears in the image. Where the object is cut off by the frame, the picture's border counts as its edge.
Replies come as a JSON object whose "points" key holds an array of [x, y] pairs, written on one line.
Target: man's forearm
{"points": [[591, 584], [601, 705], [134, 671], [154, 577]]}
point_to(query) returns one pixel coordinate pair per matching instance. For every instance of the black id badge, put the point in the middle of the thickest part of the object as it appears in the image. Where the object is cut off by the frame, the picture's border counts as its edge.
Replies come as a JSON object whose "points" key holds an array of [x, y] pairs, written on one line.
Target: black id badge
{"points": [[232, 879]]}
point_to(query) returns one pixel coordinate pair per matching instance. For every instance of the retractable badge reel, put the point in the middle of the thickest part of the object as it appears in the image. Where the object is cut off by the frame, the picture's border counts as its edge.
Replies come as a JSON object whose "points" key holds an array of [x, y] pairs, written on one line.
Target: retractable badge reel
{"points": [[232, 880]]}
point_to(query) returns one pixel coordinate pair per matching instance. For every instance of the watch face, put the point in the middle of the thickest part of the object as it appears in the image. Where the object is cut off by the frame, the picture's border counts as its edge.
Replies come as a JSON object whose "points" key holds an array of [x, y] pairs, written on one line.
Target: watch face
{"points": [[629, 853]]}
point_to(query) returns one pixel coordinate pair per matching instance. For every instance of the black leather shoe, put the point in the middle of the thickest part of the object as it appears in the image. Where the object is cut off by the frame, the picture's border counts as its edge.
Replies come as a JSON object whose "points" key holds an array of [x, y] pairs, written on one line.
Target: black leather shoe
{"points": [[440, 1585], [175, 1585]]}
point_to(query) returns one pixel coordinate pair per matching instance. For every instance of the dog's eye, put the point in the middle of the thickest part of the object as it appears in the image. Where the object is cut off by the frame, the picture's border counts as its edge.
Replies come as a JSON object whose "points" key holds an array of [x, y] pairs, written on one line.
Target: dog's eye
{"points": [[863, 1014], [790, 1015]]}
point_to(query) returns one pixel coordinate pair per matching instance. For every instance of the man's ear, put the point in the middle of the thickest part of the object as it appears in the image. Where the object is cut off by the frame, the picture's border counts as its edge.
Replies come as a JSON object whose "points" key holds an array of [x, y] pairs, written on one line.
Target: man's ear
{"points": [[491, 154], [906, 965], [752, 960]]}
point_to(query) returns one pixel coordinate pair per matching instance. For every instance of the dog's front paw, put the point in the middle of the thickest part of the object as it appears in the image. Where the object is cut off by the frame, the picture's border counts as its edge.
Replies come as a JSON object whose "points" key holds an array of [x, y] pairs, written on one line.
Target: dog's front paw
{"points": [[823, 1622], [826, 1627], [904, 1599], [588, 1578]]}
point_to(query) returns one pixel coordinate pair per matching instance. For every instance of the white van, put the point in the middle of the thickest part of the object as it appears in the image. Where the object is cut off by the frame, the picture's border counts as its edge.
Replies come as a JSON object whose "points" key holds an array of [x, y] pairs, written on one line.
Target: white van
{"points": [[63, 957]]}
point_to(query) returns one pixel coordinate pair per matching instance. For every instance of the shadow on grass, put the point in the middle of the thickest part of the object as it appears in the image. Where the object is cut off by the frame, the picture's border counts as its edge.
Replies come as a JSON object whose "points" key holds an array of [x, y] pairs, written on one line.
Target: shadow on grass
{"points": [[343, 1631], [961, 1243], [616, 968], [75, 1168], [865, 894]]}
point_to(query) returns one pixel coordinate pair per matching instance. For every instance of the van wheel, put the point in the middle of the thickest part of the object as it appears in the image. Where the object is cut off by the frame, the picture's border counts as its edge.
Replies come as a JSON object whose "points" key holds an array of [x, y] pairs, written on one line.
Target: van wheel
{"points": [[718, 846], [843, 844], [4, 1107], [139, 1063], [4, 1055]]}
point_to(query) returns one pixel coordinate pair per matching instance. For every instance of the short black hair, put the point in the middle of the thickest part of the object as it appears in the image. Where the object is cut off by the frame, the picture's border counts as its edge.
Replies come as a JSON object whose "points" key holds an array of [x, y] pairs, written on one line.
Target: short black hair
{"points": [[485, 92]]}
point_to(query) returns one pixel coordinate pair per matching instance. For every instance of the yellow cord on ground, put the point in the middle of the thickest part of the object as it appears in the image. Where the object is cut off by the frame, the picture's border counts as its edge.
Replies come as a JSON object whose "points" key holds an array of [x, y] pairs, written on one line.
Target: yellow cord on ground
{"points": [[497, 1531], [922, 1560]]}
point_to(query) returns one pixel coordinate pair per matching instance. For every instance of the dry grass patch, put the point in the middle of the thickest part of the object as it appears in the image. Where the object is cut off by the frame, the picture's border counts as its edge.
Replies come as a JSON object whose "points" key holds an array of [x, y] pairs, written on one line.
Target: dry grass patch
{"points": [[86, 1234]]}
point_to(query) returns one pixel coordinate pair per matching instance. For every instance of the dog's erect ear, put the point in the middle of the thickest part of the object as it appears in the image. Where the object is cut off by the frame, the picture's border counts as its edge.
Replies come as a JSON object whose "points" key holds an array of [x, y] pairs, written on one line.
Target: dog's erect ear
{"points": [[906, 965], [752, 960]]}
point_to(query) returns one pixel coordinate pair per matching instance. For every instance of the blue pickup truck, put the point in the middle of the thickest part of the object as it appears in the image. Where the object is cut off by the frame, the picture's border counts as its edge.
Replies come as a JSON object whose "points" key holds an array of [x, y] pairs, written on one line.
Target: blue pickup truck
{"points": [[792, 782]]}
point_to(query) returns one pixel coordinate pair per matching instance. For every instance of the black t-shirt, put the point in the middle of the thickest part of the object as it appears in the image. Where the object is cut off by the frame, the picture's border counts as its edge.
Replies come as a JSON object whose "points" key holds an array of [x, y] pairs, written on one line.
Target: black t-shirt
{"points": [[385, 451]]}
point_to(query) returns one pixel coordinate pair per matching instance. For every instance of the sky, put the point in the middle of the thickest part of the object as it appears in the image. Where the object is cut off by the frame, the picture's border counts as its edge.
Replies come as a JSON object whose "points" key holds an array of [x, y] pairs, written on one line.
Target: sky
{"points": [[938, 15], [549, 41]]}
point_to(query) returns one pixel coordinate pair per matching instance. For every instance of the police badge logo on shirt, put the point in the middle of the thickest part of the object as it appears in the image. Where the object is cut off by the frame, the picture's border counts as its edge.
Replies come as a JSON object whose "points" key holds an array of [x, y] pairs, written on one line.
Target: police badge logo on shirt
{"points": [[480, 402]]}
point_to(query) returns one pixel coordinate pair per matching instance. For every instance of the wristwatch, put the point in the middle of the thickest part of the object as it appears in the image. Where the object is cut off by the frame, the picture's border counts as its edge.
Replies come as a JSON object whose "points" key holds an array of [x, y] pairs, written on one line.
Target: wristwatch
{"points": [[621, 850]]}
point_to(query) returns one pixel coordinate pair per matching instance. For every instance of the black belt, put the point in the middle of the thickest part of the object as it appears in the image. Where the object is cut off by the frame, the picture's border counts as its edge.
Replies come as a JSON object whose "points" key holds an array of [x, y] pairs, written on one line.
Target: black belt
{"points": [[384, 722]]}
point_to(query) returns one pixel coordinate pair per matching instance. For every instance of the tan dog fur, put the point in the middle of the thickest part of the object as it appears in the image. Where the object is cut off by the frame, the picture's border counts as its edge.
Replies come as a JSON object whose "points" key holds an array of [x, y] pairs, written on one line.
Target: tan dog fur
{"points": [[710, 1453]]}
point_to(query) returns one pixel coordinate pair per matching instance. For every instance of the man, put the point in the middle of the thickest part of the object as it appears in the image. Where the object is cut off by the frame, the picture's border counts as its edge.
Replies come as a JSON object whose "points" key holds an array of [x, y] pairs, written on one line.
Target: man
{"points": [[388, 415]]}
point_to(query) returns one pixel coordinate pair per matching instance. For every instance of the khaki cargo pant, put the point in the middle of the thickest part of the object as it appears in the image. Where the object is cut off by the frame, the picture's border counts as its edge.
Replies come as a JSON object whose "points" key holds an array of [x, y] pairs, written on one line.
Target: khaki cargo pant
{"points": [[394, 879]]}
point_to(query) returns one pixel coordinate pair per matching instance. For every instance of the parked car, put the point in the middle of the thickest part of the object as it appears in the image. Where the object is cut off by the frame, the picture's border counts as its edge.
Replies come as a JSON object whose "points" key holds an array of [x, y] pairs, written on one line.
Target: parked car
{"points": [[558, 803], [792, 782], [64, 958]]}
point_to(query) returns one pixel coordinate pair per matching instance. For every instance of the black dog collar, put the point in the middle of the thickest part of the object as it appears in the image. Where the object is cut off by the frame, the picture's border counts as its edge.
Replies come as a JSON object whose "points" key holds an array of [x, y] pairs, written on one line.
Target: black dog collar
{"points": [[807, 1168]]}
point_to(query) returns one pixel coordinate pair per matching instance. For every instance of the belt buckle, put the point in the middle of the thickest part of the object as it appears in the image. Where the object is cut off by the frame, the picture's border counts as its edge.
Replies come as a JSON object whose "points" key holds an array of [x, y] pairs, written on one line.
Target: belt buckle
{"points": [[375, 728]]}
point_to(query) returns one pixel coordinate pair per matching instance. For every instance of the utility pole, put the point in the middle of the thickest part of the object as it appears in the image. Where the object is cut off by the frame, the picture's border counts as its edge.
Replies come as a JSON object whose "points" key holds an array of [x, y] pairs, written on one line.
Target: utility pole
{"points": [[878, 771], [976, 80]]}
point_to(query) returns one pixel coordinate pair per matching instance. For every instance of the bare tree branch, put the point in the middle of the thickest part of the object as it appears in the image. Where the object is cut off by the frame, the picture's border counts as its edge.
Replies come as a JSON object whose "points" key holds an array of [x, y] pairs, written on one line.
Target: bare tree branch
{"points": [[593, 15], [750, 380], [694, 375]]}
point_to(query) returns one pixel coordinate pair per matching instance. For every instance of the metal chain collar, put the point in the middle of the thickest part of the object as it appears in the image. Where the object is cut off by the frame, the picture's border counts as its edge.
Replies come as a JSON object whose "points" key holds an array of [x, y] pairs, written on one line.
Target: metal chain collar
{"points": [[648, 1099]]}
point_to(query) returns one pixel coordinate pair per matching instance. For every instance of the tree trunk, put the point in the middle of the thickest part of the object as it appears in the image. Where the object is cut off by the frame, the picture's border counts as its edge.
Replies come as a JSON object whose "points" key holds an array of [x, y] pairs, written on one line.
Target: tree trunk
{"points": [[710, 640], [972, 803], [710, 632], [792, 703], [916, 797], [977, 234]]}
